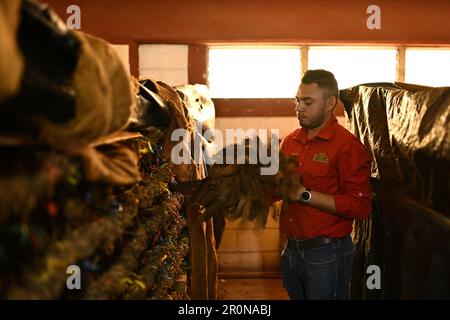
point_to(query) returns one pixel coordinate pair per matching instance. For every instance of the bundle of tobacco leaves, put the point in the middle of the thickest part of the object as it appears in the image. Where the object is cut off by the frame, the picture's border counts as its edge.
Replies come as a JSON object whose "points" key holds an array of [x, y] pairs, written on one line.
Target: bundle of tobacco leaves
{"points": [[241, 189]]}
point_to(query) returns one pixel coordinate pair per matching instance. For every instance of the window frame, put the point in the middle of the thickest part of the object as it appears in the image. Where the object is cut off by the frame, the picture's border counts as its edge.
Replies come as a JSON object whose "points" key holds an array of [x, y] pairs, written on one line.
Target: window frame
{"points": [[276, 107]]}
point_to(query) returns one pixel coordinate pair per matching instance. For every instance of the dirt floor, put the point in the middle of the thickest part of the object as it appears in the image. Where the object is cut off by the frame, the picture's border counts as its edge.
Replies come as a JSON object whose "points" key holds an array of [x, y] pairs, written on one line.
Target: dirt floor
{"points": [[251, 289]]}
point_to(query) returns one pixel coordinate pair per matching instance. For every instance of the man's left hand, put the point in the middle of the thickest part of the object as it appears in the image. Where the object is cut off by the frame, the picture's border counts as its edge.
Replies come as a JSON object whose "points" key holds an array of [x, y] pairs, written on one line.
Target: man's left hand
{"points": [[290, 187], [295, 192]]}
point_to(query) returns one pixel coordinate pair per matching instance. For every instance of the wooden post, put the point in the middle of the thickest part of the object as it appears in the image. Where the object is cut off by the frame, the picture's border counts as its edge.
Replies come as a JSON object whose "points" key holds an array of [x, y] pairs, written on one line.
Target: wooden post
{"points": [[203, 256], [212, 262]]}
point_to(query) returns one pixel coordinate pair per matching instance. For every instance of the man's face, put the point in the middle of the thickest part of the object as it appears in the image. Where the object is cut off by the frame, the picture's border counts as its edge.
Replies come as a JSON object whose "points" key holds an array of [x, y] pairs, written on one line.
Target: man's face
{"points": [[311, 106]]}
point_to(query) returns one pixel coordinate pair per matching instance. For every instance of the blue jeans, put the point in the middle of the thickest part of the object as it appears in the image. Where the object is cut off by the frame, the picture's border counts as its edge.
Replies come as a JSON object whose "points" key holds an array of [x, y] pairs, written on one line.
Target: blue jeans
{"points": [[319, 273]]}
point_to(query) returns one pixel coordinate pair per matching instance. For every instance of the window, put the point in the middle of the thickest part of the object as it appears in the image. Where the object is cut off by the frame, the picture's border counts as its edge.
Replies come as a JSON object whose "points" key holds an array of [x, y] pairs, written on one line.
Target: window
{"points": [[263, 79], [355, 65], [239, 72], [429, 67]]}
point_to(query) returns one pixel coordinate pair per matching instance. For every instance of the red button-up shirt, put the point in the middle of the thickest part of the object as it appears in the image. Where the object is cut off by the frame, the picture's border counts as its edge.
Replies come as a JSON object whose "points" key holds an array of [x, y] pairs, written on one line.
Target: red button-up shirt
{"points": [[335, 163]]}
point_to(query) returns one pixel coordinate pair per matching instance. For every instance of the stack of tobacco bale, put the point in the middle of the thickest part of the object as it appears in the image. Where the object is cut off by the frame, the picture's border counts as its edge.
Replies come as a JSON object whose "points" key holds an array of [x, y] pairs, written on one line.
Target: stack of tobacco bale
{"points": [[83, 180], [406, 130], [128, 241]]}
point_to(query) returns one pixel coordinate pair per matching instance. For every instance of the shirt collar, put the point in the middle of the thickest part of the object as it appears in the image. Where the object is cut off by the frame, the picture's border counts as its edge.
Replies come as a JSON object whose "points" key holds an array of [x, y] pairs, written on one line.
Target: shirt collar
{"points": [[326, 133]]}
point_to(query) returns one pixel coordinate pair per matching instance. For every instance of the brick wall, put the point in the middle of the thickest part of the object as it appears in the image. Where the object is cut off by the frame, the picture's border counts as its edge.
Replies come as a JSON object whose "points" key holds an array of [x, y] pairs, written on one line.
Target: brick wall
{"points": [[247, 248]]}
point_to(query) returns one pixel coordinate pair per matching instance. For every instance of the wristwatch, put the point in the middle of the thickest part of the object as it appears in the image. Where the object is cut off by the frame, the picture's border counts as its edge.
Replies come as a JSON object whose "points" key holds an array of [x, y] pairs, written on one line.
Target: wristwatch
{"points": [[305, 196]]}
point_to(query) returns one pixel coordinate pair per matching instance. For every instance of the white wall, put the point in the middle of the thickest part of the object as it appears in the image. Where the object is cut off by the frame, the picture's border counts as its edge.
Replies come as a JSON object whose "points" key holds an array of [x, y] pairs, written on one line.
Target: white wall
{"points": [[124, 54], [167, 63]]}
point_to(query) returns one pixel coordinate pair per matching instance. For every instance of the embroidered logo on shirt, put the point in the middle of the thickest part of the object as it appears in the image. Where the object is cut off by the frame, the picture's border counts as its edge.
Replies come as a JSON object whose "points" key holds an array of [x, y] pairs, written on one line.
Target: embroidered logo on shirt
{"points": [[320, 157]]}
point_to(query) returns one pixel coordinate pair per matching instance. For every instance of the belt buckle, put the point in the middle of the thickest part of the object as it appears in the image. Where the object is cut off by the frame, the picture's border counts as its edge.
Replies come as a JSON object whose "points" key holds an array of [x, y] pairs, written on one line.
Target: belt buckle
{"points": [[316, 242], [309, 243], [303, 244], [299, 244]]}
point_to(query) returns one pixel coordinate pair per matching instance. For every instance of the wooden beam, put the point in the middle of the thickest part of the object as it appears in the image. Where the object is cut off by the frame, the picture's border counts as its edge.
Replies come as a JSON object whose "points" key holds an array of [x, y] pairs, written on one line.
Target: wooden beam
{"points": [[198, 64], [304, 57], [401, 58], [282, 107]]}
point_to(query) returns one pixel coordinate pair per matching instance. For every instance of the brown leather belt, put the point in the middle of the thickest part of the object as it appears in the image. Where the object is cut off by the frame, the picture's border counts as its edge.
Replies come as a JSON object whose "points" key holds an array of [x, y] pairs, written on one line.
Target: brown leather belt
{"points": [[310, 243]]}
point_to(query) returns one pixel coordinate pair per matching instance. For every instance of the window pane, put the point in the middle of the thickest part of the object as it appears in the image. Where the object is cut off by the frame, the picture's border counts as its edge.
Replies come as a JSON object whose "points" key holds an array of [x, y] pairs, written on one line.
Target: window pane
{"points": [[429, 67], [254, 72], [355, 65]]}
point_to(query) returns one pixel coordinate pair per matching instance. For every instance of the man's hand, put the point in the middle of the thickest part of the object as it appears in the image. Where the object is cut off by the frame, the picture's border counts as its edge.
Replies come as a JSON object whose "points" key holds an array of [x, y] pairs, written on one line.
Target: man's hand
{"points": [[293, 194], [288, 182], [289, 187]]}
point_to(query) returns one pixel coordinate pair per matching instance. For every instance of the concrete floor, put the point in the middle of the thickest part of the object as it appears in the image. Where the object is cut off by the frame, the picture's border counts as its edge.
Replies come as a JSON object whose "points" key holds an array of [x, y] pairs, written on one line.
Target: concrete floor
{"points": [[251, 289]]}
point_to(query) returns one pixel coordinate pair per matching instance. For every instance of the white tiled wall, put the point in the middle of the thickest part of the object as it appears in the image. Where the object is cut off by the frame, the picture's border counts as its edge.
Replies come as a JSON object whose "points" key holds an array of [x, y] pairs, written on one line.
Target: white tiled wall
{"points": [[249, 248], [167, 63], [124, 55]]}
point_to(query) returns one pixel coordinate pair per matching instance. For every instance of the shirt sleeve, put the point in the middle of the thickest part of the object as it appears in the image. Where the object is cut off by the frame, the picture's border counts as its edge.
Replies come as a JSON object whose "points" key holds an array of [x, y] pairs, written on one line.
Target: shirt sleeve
{"points": [[354, 196]]}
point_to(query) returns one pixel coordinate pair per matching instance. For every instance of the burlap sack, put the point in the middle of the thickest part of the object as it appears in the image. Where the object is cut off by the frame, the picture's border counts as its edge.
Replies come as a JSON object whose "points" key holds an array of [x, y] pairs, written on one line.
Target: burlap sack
{"points": [[180, 119], [11, 60], [105, 97], [112, 163]]}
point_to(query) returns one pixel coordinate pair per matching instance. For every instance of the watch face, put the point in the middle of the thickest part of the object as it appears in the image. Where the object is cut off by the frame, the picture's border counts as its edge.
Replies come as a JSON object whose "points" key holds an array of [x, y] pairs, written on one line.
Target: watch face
{"points": [[306, 195]]}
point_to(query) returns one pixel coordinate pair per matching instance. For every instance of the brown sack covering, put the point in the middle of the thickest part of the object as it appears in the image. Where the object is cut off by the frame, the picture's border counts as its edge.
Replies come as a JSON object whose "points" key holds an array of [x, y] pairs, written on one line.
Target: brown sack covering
{"points": [[111, 163], [408, 134], [180, 119], [11, 61], [203, 256], [406, 129], [105, 97]]}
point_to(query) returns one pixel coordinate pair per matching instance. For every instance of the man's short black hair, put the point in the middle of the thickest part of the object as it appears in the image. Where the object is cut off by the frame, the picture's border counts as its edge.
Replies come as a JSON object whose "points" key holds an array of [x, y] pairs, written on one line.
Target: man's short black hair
{"points": [[324, 79]]}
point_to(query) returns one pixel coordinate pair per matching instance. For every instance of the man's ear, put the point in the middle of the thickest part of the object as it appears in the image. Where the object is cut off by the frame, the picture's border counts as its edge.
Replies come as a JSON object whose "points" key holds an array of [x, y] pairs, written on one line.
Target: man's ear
{"points": [[331, 103]]}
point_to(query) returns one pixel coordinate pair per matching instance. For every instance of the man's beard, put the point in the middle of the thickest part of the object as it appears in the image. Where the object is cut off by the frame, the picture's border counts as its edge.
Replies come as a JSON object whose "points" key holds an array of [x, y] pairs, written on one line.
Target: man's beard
{"points": [[317, 122]]}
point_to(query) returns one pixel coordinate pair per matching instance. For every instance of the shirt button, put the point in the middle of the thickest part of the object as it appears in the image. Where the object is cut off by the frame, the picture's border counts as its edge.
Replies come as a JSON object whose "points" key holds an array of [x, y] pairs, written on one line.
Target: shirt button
{"points": [[290, 220], [300, 164], [360, 194]]}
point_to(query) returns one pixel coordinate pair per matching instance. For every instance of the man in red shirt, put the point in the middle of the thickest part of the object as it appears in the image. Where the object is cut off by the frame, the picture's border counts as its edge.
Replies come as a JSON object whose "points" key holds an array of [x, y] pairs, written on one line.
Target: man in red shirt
{"points": [[335, 173]]}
